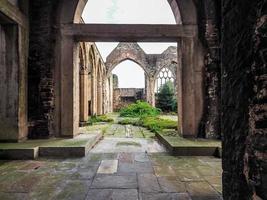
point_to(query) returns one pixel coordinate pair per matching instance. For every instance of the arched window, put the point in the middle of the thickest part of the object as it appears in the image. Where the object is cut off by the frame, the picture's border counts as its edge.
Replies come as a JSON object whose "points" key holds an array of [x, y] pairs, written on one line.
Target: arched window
{"points": [[165, 75]]}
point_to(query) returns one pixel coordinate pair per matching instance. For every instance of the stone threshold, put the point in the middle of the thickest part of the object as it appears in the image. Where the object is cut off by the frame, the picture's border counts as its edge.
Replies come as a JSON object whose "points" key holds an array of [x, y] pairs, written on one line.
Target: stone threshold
{"points": [[52, 148], [178, 146]]}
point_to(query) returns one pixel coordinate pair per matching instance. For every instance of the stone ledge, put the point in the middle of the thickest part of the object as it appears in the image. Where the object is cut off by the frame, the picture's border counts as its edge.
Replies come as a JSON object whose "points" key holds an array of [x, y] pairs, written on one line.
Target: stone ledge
{"points": [[69, 150], [187, 147], [19, 154], [57, 148]]}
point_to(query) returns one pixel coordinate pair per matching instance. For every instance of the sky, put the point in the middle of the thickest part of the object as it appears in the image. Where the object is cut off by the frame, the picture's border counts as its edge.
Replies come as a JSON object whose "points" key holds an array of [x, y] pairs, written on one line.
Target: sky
{"points": [[129, 12]]}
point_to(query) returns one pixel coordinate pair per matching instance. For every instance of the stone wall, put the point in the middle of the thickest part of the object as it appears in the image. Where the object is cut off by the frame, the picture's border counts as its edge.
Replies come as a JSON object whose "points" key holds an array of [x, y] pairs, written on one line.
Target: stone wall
{"points": [[13, 71], [41, 65], [209, 26], [123, 97], [256, 155], [9, 72], [244, 69]]}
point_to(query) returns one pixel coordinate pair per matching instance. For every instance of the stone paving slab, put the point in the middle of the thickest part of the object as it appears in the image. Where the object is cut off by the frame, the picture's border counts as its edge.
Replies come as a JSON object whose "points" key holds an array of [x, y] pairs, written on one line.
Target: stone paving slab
{"points": [[202, 191], [112, 194], [164, 196], [115, 182], [73, 190], [171, 184], [109, 145], [148, 183], [108, 167]]}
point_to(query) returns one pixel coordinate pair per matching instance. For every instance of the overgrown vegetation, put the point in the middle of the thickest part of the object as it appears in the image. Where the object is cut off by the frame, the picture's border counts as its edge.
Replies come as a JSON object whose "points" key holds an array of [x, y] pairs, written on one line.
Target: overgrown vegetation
{"points": [[101, 118], [139, 109], [166, 99], [154, 124]]}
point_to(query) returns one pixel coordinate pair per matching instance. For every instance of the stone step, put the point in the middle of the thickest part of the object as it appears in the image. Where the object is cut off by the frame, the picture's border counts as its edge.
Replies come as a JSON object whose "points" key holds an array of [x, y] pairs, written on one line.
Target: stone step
{"points": [[54, 148], [190, 147]]}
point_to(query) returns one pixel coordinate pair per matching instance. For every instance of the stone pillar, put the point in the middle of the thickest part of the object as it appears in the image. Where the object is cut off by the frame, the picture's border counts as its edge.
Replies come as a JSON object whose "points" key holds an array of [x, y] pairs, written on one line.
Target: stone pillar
{"points": [[94, 91], [111, 93], [13, 83], [190, 87], [99, 96], [105, 96], [84, 98], [69, 97], [150, 90], [89, 86]]}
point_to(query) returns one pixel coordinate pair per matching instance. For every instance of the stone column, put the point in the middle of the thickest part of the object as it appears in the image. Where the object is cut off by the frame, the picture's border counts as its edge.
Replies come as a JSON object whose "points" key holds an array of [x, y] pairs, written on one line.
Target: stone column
{"points": [[111, 93], [84, 98], [100, 96], [89, 86], [13, 83], [190, 87], [105, 92], [69, 96], [150, 90], [94, 91]]}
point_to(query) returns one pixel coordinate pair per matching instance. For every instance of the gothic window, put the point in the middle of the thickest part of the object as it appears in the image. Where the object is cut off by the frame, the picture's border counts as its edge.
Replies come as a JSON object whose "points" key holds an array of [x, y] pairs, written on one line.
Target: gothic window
{"points": [[164, 76]]}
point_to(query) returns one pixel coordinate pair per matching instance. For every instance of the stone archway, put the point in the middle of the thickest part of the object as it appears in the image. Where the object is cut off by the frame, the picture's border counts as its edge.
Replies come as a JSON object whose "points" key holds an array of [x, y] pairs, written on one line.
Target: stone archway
{"points": [[133, 52], [189, 73]]}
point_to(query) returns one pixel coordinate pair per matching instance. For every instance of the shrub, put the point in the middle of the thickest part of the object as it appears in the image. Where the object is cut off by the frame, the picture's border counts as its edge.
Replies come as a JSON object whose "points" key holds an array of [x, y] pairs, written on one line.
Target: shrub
{"points": [[139, 109], [153, 124], [101, 118], [156, 124]]}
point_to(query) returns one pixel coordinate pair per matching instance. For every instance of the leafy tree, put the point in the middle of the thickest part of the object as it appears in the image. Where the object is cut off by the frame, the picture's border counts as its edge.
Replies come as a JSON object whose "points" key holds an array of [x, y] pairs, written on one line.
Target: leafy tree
{"points": [[166, 99]]}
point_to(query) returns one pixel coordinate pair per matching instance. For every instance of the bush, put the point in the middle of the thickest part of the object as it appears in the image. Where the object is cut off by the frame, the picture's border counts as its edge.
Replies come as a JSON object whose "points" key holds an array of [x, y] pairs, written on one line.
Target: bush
{"points": [[154, 124], [139, 109], [101, 118]]}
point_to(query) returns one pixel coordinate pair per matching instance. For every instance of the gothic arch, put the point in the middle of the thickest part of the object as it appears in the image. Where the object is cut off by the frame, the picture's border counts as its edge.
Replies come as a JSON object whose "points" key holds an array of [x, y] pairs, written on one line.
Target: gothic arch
{"points": [[189, 79], [127, 51], [71, 11]]}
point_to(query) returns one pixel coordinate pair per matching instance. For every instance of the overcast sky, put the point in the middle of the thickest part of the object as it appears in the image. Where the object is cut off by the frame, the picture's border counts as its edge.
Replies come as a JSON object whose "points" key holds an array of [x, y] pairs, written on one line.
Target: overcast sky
{"points": [[129, 12]]}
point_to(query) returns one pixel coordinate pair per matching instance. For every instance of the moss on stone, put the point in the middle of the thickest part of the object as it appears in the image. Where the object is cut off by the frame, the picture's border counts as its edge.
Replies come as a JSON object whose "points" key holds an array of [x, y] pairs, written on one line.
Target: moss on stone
{"points": [[178, 141]]}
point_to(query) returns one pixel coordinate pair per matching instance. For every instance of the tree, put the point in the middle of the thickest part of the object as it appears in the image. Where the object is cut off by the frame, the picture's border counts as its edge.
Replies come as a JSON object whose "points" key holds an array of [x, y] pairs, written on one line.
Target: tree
{"points": [[166, 99]]}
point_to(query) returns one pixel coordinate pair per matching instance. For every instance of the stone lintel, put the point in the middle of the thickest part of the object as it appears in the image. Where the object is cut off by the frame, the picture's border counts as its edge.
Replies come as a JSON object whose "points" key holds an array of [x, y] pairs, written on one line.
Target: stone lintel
{"points": [[128, 32]]}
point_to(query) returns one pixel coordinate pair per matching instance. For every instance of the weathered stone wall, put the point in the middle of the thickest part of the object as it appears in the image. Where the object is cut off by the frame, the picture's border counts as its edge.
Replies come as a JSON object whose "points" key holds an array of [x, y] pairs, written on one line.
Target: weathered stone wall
{"points": [[41, 65], [256, 150], [13, 71], [151, 63], [123, 97], [209, 29], [9, 72], [244, 69]]}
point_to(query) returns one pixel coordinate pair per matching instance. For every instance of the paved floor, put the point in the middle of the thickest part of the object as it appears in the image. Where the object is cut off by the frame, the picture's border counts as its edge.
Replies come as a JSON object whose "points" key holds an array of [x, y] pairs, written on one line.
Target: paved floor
{"points": [[116, 169]]}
